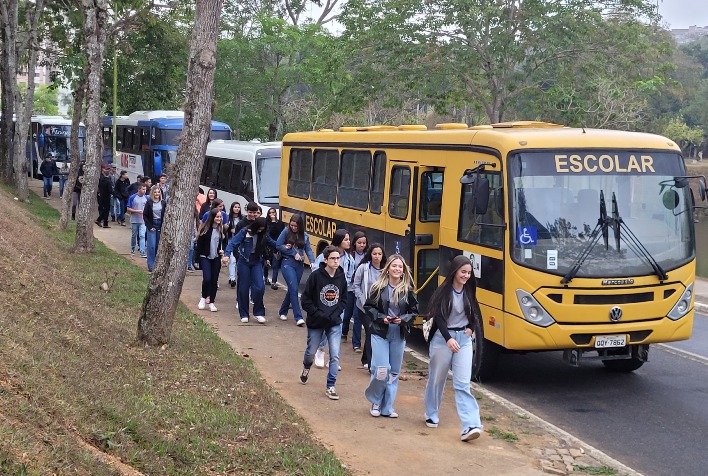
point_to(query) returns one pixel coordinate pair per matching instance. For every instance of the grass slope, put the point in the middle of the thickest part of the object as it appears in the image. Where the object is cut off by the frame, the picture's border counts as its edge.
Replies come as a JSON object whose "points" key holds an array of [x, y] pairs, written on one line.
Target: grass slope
{"points": [[75, 385]]}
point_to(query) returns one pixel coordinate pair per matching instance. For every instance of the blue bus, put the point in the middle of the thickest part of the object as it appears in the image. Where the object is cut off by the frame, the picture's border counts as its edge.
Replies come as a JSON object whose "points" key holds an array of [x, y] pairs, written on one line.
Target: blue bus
{"points": [[50, 136], [147, 141]]}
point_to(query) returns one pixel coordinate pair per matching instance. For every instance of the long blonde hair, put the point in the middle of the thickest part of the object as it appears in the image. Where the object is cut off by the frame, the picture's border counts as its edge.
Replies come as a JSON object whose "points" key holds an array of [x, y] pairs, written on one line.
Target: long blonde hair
{"points": [[400, 291]]}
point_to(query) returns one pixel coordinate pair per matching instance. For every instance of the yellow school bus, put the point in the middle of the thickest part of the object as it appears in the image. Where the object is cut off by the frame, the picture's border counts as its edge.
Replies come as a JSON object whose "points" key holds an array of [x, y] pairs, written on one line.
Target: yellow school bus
{"points": [[582, 240]]}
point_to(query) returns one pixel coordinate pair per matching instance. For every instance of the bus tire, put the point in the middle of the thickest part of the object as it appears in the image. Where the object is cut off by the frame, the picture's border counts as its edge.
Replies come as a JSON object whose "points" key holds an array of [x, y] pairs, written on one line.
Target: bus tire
{"points": [[628, 365], [486, 355]]}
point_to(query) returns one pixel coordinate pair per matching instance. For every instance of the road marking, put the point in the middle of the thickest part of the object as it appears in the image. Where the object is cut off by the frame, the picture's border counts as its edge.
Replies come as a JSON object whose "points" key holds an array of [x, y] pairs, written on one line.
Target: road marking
{"points": [[684, 353]]}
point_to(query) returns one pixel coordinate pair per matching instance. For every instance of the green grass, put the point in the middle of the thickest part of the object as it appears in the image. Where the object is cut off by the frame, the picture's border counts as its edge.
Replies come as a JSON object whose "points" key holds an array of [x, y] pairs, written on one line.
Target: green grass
{"points": [[503, 435], [595, 469], [72, 371]]}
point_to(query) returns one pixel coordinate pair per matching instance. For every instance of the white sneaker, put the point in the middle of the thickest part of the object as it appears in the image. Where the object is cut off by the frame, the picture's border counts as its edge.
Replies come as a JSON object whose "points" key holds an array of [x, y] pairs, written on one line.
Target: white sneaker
{"points": [[212, 307], [202, 304], [244, 320], [319, 358], [471, 434], [300, 322], [283, 317], [260, 319]]}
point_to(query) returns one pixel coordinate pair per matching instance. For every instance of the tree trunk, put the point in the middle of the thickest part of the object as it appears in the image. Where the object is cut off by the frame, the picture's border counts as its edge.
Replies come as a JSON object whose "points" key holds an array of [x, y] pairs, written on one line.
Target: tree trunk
{"points": [[79, 94], [8, 78], [165, 286], [23, 112], [95, 23]]}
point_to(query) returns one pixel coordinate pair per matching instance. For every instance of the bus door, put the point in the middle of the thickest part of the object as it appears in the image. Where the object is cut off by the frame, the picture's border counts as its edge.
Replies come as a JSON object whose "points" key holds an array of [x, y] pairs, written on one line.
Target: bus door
{"points": [[151, 163], [427, 195], [397, 235]]}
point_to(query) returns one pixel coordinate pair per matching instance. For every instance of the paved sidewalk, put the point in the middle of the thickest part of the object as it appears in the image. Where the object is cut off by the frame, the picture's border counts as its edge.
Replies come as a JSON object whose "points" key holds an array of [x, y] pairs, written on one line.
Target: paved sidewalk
{"points": [[345, 426]]}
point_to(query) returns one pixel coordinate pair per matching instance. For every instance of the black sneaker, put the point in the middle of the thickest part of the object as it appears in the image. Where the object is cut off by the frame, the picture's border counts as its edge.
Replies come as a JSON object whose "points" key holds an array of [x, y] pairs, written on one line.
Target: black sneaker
{"points": [[471, 434], [304, 375], [332, 393], [232, 282]]}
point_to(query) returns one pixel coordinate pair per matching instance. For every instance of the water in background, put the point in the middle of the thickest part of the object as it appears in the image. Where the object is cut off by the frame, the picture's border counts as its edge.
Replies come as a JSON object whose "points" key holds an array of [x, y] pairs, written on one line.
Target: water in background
{"points": [[702, 247]]}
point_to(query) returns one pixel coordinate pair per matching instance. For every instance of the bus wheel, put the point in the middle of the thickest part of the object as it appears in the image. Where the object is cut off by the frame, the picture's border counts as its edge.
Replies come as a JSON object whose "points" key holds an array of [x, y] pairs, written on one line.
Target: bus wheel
{"points": [[639, 355], [486, 355]]}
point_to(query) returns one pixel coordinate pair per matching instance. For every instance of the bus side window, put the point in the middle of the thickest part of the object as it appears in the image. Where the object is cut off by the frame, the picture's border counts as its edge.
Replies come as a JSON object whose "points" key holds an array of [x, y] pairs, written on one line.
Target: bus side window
{"points": [[486, 229], [399, 193], [431, 196], [354, 179], [247, 181], [324, 182], [235, 179], [212, 171], [300, 173], [223, 180]]}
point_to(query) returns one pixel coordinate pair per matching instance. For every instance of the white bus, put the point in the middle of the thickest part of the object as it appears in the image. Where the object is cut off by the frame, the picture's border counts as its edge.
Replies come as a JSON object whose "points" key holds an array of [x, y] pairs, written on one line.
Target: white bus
{"points": [[50, 136], [244, 172]]}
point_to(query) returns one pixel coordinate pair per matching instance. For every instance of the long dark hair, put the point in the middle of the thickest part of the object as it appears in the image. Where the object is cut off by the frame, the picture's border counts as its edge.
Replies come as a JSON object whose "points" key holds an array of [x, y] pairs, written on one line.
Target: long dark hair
{"points": [[209, 223], [357, 236], [233, 218], [338, 237], [441, 302], [255, 227], [296, 239], [367, 256]]}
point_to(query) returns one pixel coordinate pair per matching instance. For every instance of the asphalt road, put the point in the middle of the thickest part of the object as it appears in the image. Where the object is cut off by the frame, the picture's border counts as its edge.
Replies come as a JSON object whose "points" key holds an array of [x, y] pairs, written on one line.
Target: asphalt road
{"points": [[654, 420]]}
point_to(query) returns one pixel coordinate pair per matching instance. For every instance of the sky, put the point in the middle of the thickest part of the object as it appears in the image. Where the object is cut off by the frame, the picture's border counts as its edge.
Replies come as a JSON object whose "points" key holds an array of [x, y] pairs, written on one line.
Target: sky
{"points": [[684, 13]]}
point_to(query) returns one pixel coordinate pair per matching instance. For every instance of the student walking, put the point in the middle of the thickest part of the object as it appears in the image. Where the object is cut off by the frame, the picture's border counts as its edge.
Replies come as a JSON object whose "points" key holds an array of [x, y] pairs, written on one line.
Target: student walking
{"points": [[76, 191], [275, 227], [366, 274], [121, 192], [323, 301], [136, 205], [48, 168], [210, 248], [153, 214], [250, 243], [114, 206], [293, 243], [391, 307], [351, 313], [105, 192], [455, 310], [235, 216]]}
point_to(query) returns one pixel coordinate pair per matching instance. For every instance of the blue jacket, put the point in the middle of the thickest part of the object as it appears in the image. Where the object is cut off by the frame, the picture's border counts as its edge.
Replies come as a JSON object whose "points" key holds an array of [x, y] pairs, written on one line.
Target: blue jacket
{"points": [[290, 253], [244, 243]]}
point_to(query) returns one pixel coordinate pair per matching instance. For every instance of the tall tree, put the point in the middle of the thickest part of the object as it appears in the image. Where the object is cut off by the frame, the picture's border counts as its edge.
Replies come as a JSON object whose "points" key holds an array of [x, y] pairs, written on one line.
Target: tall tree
{"points": [[167, 278], [95, 31]]}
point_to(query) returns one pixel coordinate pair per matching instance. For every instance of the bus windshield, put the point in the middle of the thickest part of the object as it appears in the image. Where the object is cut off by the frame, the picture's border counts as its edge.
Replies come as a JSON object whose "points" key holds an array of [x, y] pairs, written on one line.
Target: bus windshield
{"points": [[268, 177], [556, 201]]}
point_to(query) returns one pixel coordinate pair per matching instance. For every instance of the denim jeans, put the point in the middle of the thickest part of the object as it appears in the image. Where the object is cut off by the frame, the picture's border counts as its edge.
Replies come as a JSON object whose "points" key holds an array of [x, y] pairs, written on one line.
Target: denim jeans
{"points": [[115, 206], [386, 361], [190, 260], [334, 336], [137, 237], [62, 183], [210, 276], [123, 208], [232, 267], [153, 240], [350, 312], [292, 273], [250, 279], [275, 265], [442, 360], [48, 181]]}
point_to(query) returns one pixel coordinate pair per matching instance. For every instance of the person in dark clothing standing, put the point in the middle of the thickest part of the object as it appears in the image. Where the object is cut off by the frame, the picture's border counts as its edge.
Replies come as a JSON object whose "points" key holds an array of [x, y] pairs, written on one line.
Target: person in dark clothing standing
{"points": [[121, 191], [324, 299], [153, 215], [48, 169], [275, 227], [76, 191], [105, 192]]}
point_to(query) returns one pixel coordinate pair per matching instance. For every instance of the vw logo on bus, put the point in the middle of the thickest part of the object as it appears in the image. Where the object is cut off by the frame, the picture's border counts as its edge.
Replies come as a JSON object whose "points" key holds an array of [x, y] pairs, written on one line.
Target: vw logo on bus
{"points": [[616, 314]]}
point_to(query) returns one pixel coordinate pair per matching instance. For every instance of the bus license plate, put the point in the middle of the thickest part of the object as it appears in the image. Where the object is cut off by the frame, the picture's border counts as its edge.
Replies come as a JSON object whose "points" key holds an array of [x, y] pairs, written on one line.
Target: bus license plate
{"points": [[604, 342]]}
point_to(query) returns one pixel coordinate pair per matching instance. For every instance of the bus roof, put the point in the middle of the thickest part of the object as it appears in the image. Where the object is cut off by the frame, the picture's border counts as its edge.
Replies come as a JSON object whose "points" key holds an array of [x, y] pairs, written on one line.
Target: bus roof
{"points": [[503, 137], [159, 119], [227, 148], [55, 120]]}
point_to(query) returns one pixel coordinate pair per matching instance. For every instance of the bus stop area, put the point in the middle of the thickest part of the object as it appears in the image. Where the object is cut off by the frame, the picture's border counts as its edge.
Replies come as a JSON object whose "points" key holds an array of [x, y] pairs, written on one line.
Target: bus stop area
{"points": [[369, 445]]}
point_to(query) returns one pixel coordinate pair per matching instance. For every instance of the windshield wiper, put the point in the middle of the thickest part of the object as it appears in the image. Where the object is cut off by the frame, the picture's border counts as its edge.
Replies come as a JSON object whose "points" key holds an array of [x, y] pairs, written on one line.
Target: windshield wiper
{"points": [[633, 242], [599, 230]]}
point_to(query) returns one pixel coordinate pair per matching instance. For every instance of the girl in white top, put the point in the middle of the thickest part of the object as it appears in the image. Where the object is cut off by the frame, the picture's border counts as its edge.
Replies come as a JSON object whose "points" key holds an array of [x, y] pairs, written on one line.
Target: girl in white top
{"points": [[455, 311]]}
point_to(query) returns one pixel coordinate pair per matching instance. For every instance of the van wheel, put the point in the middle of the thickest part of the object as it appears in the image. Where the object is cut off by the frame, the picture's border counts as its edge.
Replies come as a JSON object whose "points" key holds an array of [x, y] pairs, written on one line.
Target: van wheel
{"points": [[486, 355]]}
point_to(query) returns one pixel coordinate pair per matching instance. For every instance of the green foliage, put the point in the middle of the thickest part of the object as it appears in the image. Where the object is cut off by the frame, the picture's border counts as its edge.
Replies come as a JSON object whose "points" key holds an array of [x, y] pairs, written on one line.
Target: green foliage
{"points": [[503, 435], [45, 101], [678, 131]]}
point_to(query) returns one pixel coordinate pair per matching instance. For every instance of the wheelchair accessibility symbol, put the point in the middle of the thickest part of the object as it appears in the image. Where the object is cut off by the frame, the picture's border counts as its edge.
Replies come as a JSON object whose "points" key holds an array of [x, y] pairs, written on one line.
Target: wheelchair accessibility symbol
{"points": [[526, 235]]}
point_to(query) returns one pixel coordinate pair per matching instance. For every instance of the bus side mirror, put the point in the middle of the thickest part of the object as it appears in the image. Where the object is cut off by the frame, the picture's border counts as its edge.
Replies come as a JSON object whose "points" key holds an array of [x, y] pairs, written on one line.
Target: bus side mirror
{"points": [[479, 201]]}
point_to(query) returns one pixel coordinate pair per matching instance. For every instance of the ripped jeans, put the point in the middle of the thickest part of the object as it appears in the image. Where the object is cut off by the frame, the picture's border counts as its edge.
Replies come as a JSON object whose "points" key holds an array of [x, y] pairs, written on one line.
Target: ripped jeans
{"points": [[386, 361]]}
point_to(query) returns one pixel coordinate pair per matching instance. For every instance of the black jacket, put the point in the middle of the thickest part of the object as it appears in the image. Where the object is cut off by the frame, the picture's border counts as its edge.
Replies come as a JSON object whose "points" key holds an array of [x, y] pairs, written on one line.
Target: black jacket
{"points": [[203, 246], [105, 188], [377, 312], [324, 298], [147, 214], [122, 188], [49, 168]]}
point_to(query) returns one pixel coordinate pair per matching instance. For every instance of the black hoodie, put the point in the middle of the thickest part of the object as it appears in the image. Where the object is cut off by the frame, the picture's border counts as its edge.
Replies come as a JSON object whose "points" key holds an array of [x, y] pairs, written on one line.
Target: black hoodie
{"points": [[324, 298]]}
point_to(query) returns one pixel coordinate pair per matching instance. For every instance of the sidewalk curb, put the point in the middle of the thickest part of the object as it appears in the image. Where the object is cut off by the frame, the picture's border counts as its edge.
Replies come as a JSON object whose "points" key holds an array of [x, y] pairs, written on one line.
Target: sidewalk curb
{"points": [[700, 307], [547, 426]]}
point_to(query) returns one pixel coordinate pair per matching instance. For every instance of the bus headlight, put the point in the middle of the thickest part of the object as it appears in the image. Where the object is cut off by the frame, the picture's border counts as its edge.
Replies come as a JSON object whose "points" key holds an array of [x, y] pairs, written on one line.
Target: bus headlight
{"points": [[683, 304], [532, 310]]}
